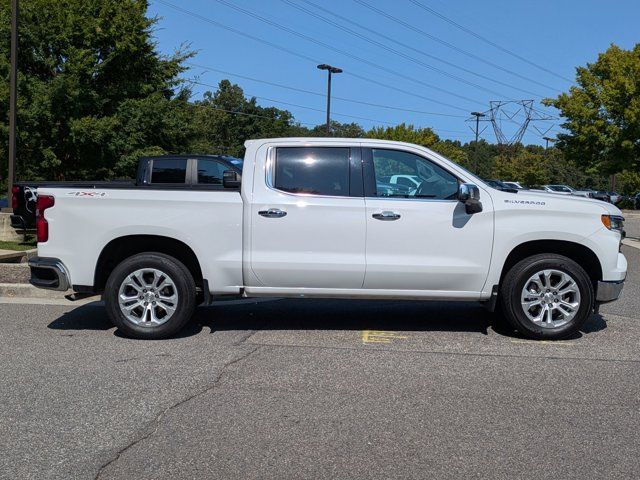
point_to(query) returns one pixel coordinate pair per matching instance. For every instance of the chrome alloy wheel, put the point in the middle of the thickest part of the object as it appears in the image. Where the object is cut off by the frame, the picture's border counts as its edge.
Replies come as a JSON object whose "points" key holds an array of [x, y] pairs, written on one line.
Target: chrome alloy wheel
{"points": [[148, 297], [550, 298]]}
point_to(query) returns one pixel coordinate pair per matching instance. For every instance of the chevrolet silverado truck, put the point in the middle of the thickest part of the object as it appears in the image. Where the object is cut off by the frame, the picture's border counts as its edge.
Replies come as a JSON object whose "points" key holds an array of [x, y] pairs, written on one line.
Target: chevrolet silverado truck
{"points": [[306, 217]]}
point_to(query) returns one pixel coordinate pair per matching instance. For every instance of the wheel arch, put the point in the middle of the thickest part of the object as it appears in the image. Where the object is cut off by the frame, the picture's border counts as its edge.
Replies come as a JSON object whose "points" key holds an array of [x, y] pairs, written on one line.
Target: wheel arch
{"points": [[126, 246], [577, 252]]}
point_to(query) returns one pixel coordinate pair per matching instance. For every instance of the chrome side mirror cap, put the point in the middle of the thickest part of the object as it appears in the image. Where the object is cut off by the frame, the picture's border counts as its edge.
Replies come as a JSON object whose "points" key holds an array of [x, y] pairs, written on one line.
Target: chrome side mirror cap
{"points": [[469, 194]]}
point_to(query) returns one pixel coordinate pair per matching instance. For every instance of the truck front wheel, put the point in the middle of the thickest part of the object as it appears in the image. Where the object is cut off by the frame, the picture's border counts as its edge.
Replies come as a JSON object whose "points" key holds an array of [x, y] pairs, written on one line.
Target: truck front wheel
{"points": [[150, 296], [547, 296]]}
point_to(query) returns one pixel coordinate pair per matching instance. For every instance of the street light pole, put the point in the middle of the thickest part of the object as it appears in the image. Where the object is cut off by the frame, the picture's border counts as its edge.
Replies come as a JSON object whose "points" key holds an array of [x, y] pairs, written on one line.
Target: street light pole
{"points": [[13, 89], [330, 70], [475, 150], [548, 139]]}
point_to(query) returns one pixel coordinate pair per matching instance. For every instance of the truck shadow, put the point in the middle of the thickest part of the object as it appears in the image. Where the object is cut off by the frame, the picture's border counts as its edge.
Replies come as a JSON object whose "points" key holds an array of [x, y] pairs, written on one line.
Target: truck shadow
{"points": [[319, 314], [399, 316]]}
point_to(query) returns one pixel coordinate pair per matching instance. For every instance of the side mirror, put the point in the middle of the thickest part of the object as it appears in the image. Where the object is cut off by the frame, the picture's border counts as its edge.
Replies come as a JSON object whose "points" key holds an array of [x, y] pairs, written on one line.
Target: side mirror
{"points": [[231, 179], [469, 194]]}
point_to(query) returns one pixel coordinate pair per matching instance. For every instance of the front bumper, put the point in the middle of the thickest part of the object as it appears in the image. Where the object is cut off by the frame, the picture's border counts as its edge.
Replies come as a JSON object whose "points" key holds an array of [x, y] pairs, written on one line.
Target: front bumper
{"points": [[609, 291], [49, 273]]}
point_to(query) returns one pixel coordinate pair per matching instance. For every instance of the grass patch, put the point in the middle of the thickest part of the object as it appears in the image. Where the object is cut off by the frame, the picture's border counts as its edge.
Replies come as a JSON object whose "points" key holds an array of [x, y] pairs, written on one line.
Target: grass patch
{"points": [[20, 246]]}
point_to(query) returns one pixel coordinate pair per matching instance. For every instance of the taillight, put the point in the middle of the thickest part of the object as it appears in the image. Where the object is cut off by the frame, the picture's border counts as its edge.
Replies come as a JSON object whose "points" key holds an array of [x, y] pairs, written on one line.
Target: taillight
{"points": [[42, 227], [15, 191]]}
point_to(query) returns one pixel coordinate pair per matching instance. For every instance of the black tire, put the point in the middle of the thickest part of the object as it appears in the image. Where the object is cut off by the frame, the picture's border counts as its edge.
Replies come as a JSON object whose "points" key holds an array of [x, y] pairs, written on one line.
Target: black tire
{"points": [[185, 288], [514, 282]]}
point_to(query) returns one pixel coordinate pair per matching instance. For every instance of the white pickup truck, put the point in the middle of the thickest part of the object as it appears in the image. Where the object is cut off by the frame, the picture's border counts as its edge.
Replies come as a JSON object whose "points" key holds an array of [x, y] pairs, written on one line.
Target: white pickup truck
{"points": [[313, 217]]}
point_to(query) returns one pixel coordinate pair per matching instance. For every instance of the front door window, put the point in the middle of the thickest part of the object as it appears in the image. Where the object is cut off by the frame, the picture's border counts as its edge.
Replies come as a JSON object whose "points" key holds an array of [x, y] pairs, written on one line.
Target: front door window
{"points": [[406, 175]]}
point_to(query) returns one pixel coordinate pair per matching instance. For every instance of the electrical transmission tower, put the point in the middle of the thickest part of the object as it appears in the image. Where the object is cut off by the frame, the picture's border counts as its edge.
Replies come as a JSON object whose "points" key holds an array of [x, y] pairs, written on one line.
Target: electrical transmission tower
{"points": [[519, 114]]}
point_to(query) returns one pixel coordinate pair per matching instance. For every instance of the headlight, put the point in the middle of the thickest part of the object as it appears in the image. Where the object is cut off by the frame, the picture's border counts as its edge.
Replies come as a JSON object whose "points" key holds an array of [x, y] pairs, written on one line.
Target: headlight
{"points": [[614, 223]]}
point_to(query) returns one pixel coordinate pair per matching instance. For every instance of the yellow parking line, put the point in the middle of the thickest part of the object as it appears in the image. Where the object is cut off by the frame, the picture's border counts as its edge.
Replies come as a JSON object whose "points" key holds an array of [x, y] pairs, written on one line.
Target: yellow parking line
{"points": [[379, 336]]}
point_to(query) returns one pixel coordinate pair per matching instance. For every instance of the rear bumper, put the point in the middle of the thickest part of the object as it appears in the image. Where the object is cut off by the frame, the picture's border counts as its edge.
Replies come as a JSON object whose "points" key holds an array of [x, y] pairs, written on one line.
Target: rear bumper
{"points": [[49, 273], [609, 291]]}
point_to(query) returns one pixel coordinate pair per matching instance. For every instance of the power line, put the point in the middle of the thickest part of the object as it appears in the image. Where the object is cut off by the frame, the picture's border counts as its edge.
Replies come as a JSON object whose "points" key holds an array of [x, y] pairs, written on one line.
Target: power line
{"points": [[402, 44], [341, 51], [321, 110], [310, 92], [297, 54], [235, 112], [486, 40], [449, 45], [389, 49]]}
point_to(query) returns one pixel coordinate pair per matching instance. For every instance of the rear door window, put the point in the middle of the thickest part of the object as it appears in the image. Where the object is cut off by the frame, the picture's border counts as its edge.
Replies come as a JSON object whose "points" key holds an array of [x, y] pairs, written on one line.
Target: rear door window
{"points": [[312, 170], [169, 170]]}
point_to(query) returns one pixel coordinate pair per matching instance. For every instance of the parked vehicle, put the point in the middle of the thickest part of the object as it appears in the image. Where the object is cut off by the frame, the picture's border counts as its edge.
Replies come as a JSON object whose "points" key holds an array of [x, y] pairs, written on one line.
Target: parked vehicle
{"points": [[516, 185], [614, 197], [410, 181], [566, 190], [23, 204], [637, 201], [602, 196], [393, 190], [497, 184], [306, 219], [164, 169], [562, 189]]}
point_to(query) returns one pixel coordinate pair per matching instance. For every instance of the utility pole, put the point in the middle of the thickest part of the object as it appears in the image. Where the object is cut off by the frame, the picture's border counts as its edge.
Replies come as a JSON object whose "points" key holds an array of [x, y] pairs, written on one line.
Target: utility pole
{"points": [[548, 139], [331, 70], [477, 131], [13, 89]]}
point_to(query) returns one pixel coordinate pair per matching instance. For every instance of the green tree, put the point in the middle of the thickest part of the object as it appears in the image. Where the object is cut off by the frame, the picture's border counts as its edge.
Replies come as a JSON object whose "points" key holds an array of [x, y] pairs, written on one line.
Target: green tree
{"points": [[337, 129], [529, 167], [453, 150], [628, 182], [225, 119], [94, 94], [603, 113], [405, 133], [487, 154]]}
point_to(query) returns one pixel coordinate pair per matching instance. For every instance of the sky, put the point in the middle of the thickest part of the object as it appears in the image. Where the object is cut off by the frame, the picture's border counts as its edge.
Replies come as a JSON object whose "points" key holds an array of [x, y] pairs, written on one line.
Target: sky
{"points": [[419, 57]]}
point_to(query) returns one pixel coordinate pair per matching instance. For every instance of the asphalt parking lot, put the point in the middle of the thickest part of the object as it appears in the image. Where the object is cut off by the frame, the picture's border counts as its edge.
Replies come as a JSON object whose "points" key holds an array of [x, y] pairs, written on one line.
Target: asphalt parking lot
{"points": [[320, 389]]}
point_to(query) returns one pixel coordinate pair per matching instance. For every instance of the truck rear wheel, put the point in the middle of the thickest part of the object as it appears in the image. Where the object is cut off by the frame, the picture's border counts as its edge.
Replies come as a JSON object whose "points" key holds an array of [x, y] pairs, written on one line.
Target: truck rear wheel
{"points": [[547, 296], [150, 296]]}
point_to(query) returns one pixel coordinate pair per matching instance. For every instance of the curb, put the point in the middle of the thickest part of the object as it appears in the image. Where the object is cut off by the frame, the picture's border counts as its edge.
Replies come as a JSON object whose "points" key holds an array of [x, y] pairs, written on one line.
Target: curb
{"points": [[18, 256], [631, 242], [25, 290]]}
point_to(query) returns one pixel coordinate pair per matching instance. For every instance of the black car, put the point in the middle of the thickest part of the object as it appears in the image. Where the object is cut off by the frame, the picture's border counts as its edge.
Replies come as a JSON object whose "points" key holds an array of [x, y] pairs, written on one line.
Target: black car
{"points": [[600, 195], [153, 172]]}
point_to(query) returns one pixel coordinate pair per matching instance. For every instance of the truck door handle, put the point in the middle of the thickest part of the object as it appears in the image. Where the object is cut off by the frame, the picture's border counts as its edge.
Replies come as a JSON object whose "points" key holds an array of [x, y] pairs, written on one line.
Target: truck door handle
{"points": [[272, 213], [386, 215]]}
